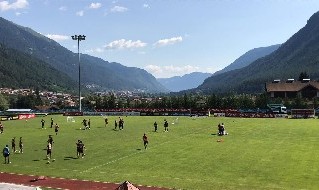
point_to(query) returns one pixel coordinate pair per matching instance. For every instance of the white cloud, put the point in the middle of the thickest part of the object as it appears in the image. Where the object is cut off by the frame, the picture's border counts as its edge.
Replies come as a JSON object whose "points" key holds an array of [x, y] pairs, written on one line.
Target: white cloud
{"points": [[169, 41], [119, 9], [80, 13], [170, 70], [57, 37], [125, 44], [19, 4], [95, 5], [146, 5], [18, 13], [96, 50], [63, 8]]}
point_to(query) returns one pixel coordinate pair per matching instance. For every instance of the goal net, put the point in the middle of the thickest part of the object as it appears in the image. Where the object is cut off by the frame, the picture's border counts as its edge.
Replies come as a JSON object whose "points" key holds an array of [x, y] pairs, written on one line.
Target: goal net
{"points": [[70, 119], [175, 121]]}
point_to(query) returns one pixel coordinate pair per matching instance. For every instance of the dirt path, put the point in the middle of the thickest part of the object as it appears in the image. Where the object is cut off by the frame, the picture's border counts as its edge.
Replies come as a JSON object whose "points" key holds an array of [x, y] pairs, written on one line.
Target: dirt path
{"points": [[61, 183]]}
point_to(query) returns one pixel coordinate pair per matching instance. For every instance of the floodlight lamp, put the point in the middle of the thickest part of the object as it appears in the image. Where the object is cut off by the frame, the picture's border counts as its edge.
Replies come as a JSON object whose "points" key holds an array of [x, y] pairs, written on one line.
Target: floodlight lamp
{"points": [[75, 37]]}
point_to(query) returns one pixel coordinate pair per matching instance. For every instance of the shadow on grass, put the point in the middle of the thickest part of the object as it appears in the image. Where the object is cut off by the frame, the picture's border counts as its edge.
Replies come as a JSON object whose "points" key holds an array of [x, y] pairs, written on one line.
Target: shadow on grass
{"points": [[114, 129], [70, 158], [36, 160], [138, 149], [214, 134]]}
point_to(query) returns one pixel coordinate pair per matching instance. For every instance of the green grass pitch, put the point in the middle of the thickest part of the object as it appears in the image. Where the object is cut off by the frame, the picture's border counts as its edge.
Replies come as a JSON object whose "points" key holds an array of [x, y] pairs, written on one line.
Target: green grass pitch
{"points": [[257, 153]]}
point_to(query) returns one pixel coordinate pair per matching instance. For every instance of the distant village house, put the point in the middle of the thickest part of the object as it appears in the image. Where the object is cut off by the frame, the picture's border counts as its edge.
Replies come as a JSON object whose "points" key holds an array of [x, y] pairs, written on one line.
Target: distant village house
{"points": [[292, 89]]}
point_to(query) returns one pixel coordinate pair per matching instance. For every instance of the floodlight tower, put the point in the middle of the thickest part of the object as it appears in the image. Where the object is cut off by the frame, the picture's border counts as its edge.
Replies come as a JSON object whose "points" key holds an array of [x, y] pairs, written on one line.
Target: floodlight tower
{"points": [[79, 38]]}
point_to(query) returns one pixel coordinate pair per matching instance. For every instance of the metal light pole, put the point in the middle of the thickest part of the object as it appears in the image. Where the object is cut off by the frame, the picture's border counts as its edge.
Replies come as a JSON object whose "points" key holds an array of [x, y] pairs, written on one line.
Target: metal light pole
{"points": [[79, 38]]}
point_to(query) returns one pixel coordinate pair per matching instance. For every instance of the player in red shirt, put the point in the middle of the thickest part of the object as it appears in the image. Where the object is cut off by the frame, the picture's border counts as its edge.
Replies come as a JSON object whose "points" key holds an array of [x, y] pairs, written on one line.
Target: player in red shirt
{"points": [[145, 141]]}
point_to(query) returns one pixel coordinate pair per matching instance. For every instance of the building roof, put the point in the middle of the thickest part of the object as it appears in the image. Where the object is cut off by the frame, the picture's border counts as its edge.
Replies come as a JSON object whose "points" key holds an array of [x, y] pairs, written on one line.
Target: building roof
{"points": [[290, 87]]}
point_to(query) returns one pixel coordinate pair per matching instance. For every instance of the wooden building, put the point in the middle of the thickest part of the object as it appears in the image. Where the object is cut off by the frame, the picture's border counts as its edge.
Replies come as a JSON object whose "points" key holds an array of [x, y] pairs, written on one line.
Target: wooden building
{"points": [[293, 89]]}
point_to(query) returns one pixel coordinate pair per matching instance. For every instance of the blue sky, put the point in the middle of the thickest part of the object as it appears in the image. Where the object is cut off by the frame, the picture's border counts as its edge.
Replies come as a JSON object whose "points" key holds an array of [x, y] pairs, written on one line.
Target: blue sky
{"points": [[165, 37]]}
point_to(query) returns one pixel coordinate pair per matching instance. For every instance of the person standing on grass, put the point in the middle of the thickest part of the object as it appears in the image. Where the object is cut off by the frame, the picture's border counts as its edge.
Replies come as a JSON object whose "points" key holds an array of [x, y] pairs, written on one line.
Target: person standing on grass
{"points": [[42, 123], [51, 122], [13, 144], [145, 141], [56, 129], [80, 149], [106, 121], [21, 145], [50, 140], [115, 124], [166, 126], [89, 123], [6, 154], [49, 150], [155, 126], [121, 124], [1, 127], [84, 122]]}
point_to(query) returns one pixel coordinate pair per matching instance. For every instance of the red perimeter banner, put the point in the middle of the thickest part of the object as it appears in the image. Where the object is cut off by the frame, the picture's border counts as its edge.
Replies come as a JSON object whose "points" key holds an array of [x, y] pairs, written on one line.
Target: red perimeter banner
{"points": [[26, 116]]}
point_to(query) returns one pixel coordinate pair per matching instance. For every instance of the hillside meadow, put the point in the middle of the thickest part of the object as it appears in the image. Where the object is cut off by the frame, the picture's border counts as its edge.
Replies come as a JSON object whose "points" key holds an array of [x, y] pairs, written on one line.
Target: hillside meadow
{"points": [[257, 153]]}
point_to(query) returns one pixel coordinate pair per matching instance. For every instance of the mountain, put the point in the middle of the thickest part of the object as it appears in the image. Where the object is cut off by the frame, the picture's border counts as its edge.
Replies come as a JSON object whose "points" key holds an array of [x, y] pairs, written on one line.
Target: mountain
{"points": [[20, 70], [249, 57], [300, 53], [188, 81], [193, 80], [94, 71]]}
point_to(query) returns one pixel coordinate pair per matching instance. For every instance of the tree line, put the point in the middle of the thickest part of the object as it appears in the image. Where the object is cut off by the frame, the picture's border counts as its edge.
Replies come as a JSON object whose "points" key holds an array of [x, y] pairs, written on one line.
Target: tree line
{"points": [[186, 101]]}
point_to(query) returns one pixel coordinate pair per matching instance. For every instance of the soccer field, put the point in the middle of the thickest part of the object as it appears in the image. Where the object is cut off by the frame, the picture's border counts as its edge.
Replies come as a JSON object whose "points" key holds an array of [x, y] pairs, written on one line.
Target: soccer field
{"points": [[257, 153]]}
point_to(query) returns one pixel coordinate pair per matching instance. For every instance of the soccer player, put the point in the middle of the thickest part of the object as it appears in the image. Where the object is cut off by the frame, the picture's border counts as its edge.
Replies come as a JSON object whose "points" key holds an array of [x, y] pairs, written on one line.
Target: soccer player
{"points": [[84, 123], [145, 141], [56, 129], [6, 154], [166, 126], [155, 126], [42, 123], [50, 140], [78, 148], [51, 122], [89, 123], [13, 144], [21, 145], [81, 149], [49, 150], [1, 128], [115, 124], [121, 124], [106, 121]]}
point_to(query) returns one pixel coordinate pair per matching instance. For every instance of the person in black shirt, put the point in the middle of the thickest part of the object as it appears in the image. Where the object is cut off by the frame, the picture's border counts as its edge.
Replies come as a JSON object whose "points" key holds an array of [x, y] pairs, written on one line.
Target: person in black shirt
{"points": [[155, 126], [51, 122], [21, 145], [80, 149], [42, 123], [115, 124], [166, 126], [56, 129], [13, 144]]}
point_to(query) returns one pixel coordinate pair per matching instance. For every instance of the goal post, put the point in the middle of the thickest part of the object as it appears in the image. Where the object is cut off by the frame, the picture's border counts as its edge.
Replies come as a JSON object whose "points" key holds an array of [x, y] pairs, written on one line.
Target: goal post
{"points": [[70, 119]]}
